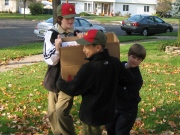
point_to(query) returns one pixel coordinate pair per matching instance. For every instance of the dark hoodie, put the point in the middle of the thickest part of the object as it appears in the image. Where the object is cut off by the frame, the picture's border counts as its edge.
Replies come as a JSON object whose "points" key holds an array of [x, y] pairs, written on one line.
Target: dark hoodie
{"points": [[96, 81], [128, 93]]}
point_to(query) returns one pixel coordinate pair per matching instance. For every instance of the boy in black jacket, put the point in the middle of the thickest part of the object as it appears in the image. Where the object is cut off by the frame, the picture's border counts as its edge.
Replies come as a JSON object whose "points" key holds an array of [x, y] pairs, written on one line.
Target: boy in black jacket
{"points": [[128, 95], [96, 81]]}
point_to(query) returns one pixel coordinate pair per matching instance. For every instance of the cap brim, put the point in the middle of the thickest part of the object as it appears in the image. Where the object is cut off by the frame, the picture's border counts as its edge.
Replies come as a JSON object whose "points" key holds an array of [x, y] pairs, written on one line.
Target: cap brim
{"points": [[71, 16], [82, 41]]}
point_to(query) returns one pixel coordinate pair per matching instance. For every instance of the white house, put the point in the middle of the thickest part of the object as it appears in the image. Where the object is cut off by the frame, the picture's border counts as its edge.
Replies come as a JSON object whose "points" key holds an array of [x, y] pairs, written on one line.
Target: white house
{"points": [[105, 7], [98, 7], [9, 5]]}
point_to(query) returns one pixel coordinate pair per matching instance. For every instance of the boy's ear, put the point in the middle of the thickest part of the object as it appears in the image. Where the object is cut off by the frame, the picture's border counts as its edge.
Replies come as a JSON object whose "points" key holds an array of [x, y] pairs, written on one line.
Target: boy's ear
{"points": [[98, 48]]}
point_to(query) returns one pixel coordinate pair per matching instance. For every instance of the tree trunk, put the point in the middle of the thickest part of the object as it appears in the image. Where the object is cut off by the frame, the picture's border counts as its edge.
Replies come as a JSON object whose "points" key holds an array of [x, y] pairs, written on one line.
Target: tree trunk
{"points": [[55, 4], [24, 7], [178, 39]]}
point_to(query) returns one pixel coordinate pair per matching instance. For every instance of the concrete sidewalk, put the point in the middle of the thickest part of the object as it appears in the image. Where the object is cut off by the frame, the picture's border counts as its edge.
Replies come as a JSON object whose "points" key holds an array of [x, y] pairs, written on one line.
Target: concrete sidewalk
{"points": [[21, 62]]}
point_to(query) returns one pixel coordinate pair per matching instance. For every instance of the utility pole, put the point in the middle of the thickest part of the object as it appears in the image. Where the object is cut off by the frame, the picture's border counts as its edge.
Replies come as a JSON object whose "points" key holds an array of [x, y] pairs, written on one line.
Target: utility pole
{"points": [[55, 3]]}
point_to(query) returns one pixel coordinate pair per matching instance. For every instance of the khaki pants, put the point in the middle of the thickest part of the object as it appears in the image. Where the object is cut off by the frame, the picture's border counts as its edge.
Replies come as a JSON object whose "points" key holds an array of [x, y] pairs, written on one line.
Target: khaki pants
{"points": [[91, 130], [59, 106]]}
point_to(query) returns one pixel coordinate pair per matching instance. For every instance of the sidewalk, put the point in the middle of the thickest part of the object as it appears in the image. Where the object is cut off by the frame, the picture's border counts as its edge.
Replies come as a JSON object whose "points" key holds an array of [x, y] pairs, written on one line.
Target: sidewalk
{"points": [[21, 62]]}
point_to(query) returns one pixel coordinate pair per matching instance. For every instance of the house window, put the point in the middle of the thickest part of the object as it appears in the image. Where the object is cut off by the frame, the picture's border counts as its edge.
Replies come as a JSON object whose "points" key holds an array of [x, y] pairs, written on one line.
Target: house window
{"points": [[146, 8], [6, 2], [87, 7], [125, 7]]}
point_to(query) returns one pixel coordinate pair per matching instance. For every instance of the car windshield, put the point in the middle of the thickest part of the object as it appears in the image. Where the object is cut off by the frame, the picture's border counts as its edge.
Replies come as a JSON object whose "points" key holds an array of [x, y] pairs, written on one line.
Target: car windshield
{"points": [[136, 18], [50, 20]]}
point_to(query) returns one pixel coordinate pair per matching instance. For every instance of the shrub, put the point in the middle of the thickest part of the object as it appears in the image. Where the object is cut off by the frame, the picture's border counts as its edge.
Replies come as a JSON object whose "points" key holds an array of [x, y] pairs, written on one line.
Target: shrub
{"points": [[36, 8], [162, 46], [118, 13], [84, 14], [127, 15]]}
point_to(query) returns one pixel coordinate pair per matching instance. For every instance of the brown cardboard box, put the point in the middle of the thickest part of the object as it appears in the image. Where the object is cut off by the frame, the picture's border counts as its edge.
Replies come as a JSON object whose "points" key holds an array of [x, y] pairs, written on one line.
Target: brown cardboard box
{"points": [[73, 57]]}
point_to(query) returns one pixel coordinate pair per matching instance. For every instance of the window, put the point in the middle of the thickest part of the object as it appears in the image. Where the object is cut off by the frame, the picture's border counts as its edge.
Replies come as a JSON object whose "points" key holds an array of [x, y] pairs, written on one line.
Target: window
{"points": [[150, 19], [87, 7], [76, 23], [84, 23], [6, 2], [158, 20], [146, 8], [125, 7]]}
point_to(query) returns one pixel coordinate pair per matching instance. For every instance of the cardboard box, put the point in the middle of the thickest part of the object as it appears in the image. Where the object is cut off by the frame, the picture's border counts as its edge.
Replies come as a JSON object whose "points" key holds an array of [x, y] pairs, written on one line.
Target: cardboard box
{"points": [[73, 57]]}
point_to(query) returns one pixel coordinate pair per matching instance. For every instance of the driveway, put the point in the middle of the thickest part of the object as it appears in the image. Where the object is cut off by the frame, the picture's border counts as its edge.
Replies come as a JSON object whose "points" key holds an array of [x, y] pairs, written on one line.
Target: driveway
{"points": [[19, 32]]}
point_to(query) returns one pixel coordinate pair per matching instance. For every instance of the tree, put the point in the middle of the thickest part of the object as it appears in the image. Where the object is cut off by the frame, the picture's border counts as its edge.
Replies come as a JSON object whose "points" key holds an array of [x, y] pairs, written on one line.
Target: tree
{"points": [[163, 7], [176, 13], [24, 3], [55, 3]]}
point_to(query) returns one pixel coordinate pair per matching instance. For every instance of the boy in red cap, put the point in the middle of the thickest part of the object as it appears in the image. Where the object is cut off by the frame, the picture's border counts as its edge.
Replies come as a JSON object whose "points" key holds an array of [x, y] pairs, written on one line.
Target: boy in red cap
{"points": [[59, 103], [96, 81]]}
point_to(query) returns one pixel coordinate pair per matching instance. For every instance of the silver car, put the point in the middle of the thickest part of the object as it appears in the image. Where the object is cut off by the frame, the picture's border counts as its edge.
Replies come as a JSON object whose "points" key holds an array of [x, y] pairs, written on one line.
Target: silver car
{"points": [[80, 24]]}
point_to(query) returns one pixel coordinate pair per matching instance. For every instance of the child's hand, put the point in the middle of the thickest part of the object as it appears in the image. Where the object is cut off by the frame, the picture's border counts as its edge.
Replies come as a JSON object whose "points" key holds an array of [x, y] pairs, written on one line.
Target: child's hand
{"points": [[58, 42], [80, 35]]}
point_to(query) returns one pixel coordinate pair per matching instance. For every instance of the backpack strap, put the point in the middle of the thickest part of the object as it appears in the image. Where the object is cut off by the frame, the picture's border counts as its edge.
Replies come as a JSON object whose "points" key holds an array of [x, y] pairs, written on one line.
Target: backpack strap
{"points": [[54, 35]]}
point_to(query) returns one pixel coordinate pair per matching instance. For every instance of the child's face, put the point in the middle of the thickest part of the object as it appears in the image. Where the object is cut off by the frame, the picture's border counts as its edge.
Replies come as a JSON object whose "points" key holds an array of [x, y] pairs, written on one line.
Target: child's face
{"points": [[134, 61], [89, 50], [67, 23]]}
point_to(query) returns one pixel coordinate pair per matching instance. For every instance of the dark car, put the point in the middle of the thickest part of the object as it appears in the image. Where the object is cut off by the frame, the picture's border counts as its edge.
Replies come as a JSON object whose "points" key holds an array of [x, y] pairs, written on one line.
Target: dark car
{"points": [[145, 25]]}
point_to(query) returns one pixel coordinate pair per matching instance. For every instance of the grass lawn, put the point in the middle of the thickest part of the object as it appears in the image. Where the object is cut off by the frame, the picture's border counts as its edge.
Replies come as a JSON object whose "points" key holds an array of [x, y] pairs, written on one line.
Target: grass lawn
{"points": [[102, 19], [23, 102]]}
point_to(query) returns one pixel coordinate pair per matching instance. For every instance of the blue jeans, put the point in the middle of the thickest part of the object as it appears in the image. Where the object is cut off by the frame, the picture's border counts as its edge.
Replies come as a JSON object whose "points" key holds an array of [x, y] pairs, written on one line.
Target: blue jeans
{"points": [[123, 122]]}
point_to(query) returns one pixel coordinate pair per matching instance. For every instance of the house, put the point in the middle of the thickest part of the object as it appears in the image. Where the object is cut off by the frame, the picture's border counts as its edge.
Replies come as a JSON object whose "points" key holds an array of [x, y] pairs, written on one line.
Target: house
{"points": [[14, 6], [112, 7], [9, 5], [98, 7]]}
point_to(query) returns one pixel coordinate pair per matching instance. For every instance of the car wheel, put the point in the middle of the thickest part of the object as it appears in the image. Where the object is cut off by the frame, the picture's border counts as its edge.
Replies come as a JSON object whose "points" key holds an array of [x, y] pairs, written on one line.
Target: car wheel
{"points": [[145, 32], [168, 30], [129, 33]]}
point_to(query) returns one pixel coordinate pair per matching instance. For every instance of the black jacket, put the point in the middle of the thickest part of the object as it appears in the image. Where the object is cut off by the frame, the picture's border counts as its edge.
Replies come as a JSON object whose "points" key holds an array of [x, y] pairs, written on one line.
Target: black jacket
{"points": [[128, 93], [96, 81]]}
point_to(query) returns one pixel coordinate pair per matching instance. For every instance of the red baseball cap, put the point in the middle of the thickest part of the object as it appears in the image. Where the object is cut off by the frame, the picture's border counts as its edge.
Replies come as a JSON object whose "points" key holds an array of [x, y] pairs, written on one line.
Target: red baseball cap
{"points": [[93, 36], [66, 10]]}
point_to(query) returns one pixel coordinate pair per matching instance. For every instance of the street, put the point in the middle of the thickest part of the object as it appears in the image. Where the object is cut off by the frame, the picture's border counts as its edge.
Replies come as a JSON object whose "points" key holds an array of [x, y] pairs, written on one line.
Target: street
{"points": [[19, 32]]}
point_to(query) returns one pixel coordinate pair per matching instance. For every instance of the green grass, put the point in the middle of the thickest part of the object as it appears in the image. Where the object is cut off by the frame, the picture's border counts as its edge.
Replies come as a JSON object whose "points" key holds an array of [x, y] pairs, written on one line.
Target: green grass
{"points": [[168, 34], [15, 52], [105, 19], [102, 19], [23, 102], [134, 38]]}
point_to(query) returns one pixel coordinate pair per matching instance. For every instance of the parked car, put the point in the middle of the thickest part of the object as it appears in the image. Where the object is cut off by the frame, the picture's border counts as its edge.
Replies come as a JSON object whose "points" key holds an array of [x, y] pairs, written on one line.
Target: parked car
{"points": [[80, 24], [145, 25]]}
